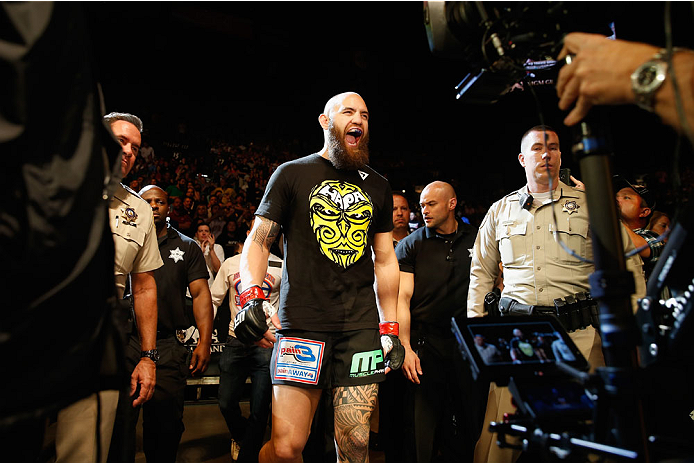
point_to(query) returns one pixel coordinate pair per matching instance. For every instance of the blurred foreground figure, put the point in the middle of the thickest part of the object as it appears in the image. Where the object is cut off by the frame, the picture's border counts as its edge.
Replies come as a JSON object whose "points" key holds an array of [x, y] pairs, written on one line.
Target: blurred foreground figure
{"points": [[60, 168]]}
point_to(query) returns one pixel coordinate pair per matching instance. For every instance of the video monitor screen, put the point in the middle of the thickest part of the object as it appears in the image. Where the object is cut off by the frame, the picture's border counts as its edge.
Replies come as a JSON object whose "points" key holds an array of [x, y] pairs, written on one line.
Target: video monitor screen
{"points": [[517, 346]]}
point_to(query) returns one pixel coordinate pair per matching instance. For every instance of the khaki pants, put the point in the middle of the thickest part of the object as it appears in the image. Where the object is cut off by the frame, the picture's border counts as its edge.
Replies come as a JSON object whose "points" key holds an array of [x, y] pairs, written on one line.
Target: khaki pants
{"points": [[499, 402], [76, 432]]}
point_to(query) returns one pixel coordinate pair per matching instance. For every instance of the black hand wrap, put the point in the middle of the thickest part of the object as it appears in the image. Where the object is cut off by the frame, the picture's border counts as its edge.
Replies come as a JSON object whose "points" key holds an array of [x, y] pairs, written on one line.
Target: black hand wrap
{"points": [[249, 323], [396, 356], [392, 348]]}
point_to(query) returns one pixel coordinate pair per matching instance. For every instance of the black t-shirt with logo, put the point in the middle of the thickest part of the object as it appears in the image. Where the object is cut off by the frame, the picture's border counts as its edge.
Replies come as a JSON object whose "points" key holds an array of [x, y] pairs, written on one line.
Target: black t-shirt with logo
{"points": [[329, 218]]}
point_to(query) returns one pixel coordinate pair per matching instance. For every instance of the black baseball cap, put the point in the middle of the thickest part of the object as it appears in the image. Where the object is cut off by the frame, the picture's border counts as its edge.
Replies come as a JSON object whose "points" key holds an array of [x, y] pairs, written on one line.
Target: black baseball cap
{"points": [[648, 197]]}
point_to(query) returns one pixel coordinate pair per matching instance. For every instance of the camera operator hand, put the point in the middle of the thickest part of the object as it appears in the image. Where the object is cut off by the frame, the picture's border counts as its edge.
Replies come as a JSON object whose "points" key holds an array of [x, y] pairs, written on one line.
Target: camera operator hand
{"points": [[600, 73]]}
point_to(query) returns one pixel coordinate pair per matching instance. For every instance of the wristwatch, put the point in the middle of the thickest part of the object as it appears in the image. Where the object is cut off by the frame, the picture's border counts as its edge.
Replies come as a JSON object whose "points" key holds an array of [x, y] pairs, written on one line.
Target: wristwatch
{"points": [[648, 78], [150, 354]]}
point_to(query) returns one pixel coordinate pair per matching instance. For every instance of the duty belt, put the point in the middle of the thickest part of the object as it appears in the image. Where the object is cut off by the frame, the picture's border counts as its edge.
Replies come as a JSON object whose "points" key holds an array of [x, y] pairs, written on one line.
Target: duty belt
{"points": [[575, 312], [180, 335]]}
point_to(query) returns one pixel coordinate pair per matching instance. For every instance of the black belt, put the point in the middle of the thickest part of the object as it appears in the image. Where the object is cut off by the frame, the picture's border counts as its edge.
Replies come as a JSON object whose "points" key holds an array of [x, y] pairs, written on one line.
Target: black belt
{"points": [[575, 312]]}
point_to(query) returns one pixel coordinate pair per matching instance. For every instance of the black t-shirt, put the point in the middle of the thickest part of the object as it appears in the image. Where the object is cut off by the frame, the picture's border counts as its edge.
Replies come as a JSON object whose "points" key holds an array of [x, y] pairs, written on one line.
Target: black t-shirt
{"points": [[183, 263], [329, 218], [441, 267]]}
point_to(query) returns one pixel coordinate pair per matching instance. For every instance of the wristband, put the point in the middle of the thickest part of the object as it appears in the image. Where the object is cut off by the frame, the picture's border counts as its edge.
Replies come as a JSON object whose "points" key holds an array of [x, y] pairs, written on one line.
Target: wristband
{"points": [[254, 292], [389, 328]]}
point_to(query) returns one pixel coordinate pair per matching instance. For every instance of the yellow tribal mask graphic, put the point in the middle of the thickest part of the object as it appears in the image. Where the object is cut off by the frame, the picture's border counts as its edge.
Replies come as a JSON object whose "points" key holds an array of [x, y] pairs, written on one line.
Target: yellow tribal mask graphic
{"points": [[341, 214]]}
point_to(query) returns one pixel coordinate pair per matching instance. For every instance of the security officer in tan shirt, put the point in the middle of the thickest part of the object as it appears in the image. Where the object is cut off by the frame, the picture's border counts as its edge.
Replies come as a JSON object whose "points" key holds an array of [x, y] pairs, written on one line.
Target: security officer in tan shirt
{"points": [[137, 254], [518, 231]]}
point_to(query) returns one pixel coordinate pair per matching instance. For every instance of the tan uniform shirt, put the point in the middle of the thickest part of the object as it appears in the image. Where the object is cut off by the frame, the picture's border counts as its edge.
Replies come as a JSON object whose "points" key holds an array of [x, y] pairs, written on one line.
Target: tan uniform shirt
{"points": [[536, 269], [134, 235]]}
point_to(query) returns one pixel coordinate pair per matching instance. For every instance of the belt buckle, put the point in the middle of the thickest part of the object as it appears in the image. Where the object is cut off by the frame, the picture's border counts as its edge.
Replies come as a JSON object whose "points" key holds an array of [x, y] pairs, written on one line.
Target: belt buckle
{"points": [[181, 336]]}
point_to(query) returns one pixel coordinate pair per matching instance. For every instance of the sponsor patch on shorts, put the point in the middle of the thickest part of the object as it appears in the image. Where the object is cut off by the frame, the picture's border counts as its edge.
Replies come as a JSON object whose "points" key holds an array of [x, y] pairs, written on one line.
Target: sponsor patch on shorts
{"points": [[299, 360], [366, 364]]}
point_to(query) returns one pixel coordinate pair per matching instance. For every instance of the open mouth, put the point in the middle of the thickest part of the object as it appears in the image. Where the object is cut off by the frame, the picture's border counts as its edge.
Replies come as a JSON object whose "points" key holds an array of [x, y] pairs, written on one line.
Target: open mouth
{"points": [[353, 136]]}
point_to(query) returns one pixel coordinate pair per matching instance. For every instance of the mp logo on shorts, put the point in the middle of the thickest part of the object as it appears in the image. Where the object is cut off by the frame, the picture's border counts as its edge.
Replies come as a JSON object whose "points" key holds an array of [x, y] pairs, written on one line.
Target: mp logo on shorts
{"points": [[341, 214], [366, 363], [299, 360]]}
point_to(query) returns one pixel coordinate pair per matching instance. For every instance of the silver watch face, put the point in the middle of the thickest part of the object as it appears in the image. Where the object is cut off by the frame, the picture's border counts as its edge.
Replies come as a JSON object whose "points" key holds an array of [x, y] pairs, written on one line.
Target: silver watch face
{"points": [[649, 77]]}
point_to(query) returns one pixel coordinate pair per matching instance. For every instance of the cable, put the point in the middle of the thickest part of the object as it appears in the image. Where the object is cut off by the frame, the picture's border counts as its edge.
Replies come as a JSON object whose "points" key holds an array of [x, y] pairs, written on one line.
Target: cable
{"points": [[551, 186]]}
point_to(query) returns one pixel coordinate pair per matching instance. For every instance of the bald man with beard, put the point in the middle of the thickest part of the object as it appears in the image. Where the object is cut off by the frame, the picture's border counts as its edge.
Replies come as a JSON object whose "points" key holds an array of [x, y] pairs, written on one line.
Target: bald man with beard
{"points": [[335, 214], [434, 278]]}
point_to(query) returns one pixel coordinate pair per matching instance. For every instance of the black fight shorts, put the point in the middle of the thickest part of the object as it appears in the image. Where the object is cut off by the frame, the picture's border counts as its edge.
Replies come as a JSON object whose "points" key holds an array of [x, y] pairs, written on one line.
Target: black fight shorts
{"points": [[322, 360]]}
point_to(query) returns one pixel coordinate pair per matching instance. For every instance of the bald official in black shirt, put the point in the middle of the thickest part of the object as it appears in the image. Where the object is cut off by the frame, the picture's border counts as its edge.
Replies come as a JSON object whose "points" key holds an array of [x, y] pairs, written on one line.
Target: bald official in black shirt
{"points": [[434, 278]]}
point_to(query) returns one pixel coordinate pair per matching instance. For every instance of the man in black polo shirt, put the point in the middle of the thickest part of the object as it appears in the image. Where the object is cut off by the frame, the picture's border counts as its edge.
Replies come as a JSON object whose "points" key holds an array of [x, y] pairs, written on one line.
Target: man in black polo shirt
{"points": [[434, 276], [184, 268]]}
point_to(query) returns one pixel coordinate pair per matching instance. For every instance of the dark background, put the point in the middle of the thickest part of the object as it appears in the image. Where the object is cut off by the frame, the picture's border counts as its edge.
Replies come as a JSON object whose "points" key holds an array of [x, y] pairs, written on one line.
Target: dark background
{"points": [[249, 71]]}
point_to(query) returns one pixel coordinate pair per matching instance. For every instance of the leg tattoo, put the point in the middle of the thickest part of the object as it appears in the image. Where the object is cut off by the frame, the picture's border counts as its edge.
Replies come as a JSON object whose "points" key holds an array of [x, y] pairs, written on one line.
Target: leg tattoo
{"points": [[353, 406]]}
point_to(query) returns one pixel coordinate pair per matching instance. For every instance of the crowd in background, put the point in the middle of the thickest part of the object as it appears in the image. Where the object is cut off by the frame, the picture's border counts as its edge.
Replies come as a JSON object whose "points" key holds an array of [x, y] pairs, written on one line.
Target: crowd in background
{"points": [[219, 181]]}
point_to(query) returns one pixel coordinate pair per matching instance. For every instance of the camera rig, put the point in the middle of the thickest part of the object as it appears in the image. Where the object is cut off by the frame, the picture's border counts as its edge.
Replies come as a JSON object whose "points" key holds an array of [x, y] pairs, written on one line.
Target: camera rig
{"points": [[502, 43], [498, 45]]}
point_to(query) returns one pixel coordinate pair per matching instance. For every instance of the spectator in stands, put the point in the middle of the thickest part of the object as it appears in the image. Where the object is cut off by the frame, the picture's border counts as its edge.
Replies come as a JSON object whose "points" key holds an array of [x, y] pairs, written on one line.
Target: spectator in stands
{"points": [[246, 220], [217, 220], [230, 213], [189, 205], [214, 253], [177, 189], [659, 223], [224, 188], [229, 239], [178, 214], [211, 202]]}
